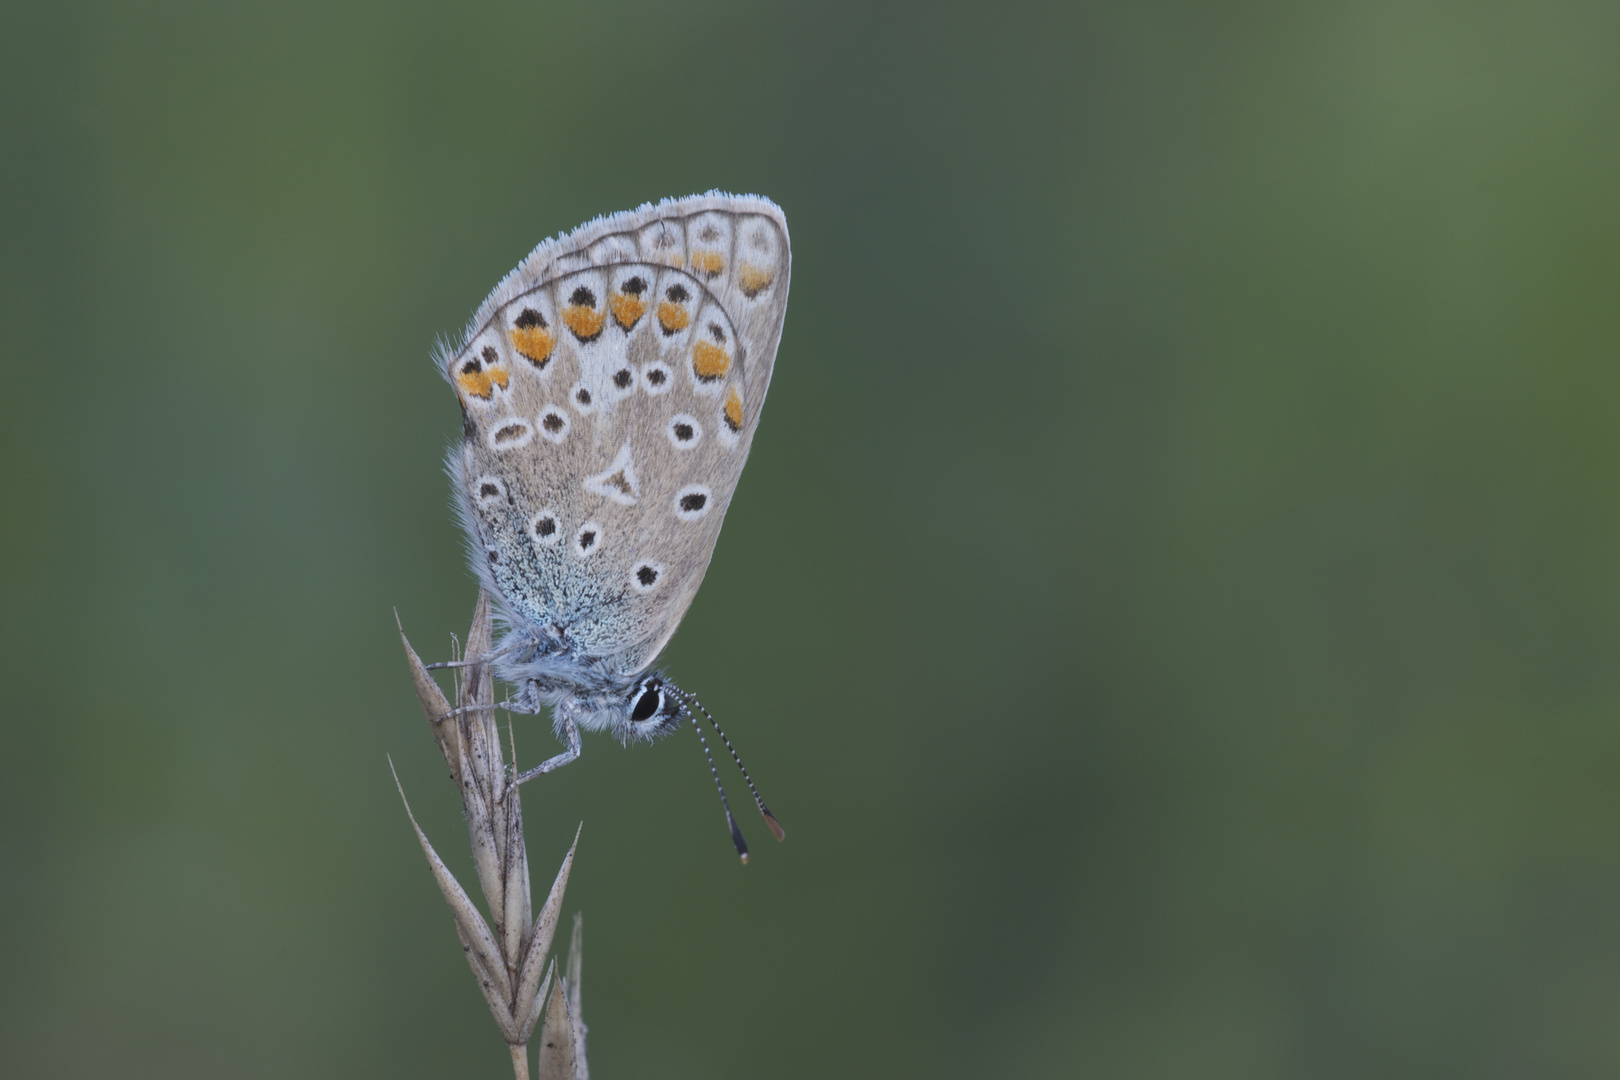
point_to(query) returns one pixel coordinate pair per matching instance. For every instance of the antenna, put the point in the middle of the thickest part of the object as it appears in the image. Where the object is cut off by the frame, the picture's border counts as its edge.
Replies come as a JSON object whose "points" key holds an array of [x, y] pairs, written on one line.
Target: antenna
{"points": [[736, 833], [764, 811]]}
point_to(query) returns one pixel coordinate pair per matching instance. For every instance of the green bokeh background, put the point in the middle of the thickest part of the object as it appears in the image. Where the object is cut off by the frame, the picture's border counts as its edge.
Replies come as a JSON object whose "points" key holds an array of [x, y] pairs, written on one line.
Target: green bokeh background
{"points": [[1173, 602]]}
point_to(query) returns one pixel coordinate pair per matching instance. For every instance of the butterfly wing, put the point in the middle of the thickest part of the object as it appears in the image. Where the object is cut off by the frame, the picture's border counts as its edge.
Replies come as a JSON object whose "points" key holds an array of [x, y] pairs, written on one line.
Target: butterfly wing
{"points": [[610, 388]]}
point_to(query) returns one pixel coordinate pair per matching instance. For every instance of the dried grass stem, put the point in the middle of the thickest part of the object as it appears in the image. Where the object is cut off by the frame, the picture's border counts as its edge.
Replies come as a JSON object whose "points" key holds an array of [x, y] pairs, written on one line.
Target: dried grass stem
{"points": [[509, 951]]}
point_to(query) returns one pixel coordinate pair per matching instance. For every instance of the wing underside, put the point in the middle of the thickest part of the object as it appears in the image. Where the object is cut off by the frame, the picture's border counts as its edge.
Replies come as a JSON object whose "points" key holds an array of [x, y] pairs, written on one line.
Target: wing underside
{"points": [[610, 388]]}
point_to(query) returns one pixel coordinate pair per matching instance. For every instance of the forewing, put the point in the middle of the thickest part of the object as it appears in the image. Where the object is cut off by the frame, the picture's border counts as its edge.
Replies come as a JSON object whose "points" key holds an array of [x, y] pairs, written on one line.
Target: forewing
{"points": [[610, 390]]}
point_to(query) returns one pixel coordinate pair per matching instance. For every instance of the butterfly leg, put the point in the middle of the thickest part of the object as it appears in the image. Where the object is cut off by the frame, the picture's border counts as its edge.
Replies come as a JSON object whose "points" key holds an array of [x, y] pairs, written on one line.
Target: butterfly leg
{"points": [[518, 706], [570, 732], [516, 643]]}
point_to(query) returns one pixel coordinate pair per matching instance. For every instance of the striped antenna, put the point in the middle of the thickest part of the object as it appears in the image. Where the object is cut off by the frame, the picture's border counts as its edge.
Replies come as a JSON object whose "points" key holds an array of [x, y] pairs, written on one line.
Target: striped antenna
{"points": [[731, 822], [764, 811]]}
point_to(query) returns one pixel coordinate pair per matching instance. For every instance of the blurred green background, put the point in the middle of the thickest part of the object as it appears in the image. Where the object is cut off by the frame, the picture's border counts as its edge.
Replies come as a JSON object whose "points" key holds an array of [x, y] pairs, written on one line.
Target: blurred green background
{"points": [[1173, 602]]}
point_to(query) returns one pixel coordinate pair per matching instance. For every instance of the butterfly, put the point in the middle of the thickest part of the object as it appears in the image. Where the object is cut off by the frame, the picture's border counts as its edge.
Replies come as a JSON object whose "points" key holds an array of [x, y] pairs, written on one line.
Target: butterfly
{"points": [[610, 388]]}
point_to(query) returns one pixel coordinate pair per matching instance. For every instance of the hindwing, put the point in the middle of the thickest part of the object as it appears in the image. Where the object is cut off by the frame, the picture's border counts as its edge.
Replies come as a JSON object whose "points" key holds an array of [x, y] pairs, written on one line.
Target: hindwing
{"points": [[610, 388]]}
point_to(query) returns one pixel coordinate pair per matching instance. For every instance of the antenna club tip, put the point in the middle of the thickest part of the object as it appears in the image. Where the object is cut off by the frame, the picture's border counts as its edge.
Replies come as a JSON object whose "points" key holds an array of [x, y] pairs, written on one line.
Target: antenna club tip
{"points": [[776, 829]]}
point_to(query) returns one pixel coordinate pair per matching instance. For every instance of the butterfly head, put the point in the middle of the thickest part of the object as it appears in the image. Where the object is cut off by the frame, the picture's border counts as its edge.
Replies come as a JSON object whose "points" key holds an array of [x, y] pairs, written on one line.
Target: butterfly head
{"points": [[651, 711]]}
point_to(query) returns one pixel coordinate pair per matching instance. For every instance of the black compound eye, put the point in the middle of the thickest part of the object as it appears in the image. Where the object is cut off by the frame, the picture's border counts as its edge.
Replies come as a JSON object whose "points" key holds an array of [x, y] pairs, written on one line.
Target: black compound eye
{"points": [[647, 705]]}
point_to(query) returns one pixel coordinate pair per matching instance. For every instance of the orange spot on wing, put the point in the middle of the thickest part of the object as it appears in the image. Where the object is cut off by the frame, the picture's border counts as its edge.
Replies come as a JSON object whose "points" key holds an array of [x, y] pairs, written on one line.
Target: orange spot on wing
{"points": [[708, 263], [673, 317], [479, 381], [628, 310], [585, 322], [534, 343], [478, 375], [733, 410], [709, 361], [754, 279]]}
